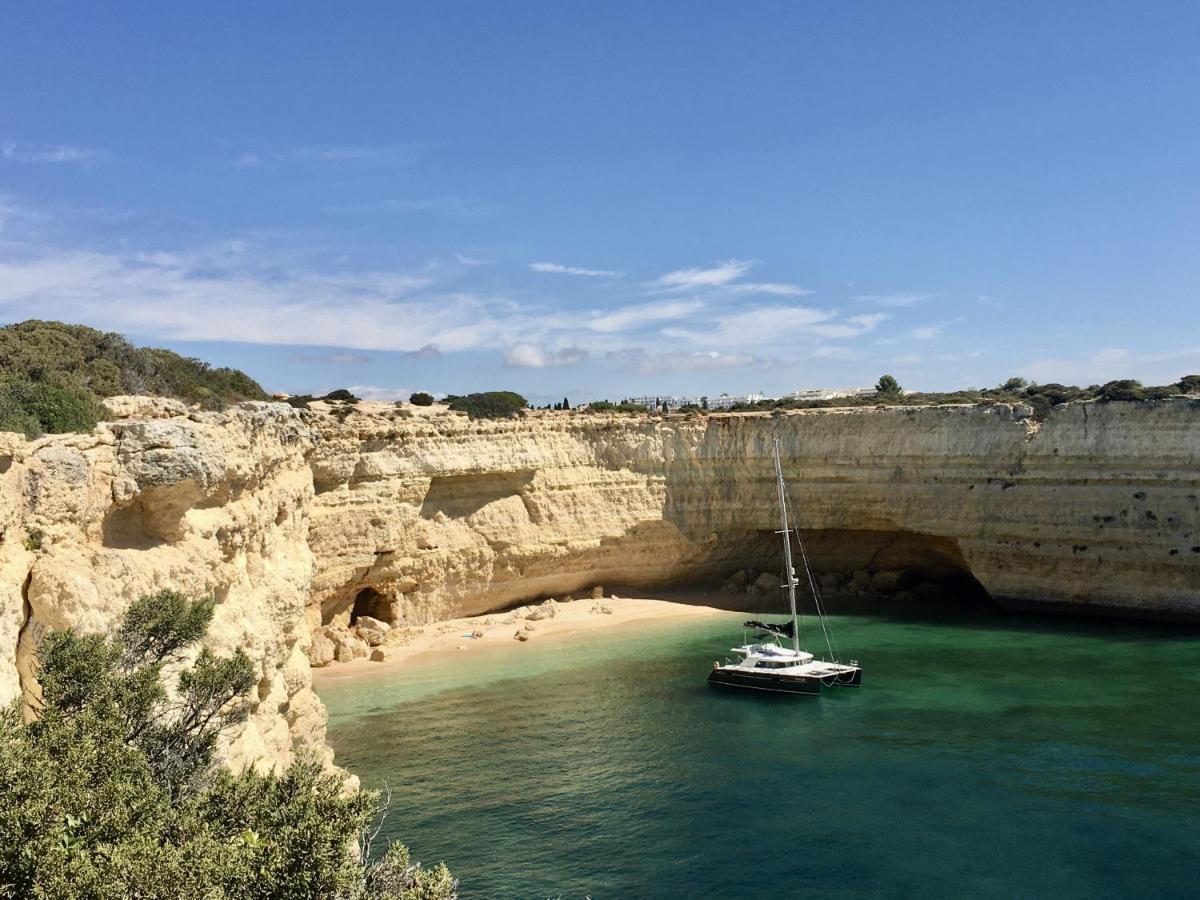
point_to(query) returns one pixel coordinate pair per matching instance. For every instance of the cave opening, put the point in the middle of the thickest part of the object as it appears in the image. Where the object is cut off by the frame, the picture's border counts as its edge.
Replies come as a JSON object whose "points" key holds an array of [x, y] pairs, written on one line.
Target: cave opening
{"points": [[858, 571], [369, 602]]}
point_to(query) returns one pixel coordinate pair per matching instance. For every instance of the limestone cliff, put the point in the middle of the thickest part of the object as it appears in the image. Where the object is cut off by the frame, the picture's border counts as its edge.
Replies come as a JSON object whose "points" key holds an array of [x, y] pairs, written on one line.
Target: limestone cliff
{"points": [[207, 503], [438, 515], [296, 519]]}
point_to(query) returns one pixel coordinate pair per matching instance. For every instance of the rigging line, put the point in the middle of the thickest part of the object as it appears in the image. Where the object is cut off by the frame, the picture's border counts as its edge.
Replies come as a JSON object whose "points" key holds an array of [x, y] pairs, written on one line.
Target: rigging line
{"points": [[812, 586]]}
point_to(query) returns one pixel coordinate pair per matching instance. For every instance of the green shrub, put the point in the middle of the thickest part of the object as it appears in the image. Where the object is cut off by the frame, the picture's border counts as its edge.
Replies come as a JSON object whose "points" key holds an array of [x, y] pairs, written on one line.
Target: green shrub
{"points": [[489, 404], [1190, 384], [624, 406], [888, 385], [111, 791], [1124, 389], [420, 398], [35, 408], [95, 364], [341, 395]]}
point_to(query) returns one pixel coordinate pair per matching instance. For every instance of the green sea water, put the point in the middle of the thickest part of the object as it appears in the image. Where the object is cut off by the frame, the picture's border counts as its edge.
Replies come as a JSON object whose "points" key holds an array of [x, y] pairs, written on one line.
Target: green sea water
{"points": [[989, 755]]}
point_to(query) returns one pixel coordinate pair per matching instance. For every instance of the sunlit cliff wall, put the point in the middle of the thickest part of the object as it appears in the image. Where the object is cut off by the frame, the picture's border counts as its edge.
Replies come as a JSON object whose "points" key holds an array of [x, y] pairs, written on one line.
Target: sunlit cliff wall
{"points": [[288, 517]]}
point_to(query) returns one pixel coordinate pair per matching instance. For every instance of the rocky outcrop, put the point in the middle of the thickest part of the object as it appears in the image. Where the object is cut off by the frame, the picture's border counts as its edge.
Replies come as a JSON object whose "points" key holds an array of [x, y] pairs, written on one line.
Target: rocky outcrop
{"points": [[317, 532], [209, 504]]}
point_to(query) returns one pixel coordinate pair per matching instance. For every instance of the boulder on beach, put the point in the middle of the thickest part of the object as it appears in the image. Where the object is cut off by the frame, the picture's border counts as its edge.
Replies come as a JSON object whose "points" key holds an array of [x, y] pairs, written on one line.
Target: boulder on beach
{"points": [[521, 636], [321, 652]]}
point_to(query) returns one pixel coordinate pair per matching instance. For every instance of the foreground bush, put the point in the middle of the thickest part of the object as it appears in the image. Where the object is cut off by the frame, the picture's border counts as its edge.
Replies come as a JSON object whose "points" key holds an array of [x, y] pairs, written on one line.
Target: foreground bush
{"points": [[421, 398], [34, 409], [112, 791], [489, 404]]}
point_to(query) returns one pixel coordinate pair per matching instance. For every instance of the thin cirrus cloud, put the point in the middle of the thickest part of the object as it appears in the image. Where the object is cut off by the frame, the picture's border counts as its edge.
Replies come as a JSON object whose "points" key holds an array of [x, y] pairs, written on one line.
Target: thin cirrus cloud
{"points": [[527, 355], [335, 358], [12, 151], [637, 359], [628, 318], [688, 279], [900, 299], [724, 276], [557, 269]]}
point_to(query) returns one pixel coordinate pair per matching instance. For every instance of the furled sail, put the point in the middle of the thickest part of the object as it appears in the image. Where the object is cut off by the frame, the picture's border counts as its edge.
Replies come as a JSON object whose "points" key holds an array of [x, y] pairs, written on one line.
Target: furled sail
{"points": [[782, 629]]}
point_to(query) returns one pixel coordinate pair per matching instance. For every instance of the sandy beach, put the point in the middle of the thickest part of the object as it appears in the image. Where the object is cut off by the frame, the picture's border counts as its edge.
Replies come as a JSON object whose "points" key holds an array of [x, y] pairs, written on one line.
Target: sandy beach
{"points": [[571, 621]]}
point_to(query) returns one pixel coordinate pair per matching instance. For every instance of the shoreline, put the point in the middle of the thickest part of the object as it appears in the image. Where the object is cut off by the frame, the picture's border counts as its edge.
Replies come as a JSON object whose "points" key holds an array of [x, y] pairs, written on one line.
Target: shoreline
{"points": [[439, 642]]}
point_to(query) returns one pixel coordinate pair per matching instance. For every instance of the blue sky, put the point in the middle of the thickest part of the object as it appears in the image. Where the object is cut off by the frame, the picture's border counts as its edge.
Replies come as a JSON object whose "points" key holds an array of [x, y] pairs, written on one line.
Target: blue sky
{"points": [[606, 199]]}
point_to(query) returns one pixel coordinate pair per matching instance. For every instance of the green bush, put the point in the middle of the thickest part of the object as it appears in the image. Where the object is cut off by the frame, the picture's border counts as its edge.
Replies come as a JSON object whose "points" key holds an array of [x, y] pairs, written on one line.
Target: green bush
{"points": [[111, 792], [1190, 384], [489, 404], [420, 398], [888, 385], [94, 364], [624, 406], [34, 409], [1124, 389]]}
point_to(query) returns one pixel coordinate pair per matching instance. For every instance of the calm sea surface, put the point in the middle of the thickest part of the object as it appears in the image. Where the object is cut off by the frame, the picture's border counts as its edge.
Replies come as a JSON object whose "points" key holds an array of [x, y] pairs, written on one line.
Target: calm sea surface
{"points": [[991, 755]]}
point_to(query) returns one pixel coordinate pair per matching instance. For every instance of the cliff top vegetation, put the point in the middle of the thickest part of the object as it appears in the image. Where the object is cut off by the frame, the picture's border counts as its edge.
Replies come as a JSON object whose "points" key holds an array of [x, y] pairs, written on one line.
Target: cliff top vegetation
{"points": [[888, 392], [113, 790], [53, 375]]}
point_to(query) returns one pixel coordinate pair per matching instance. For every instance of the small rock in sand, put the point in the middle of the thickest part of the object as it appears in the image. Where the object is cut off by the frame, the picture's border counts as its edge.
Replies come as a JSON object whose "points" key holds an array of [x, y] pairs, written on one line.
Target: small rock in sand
{"points": [[597, 592], [521, 636], [380, 655], [528, 627]]}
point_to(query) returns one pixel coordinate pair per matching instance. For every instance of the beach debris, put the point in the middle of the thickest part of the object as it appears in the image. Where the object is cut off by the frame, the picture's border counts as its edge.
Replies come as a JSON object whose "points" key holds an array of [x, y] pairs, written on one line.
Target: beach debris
{"points": [[602, 608]]}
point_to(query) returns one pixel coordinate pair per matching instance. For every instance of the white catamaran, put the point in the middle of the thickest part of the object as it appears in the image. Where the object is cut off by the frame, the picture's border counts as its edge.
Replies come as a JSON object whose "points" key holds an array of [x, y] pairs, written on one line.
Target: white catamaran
{"points": [[769, 665]]}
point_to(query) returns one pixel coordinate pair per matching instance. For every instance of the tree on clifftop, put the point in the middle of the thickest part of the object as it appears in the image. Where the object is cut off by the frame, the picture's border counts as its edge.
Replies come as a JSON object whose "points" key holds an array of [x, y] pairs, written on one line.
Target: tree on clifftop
{"points": [[113, 791], [887, 385], [1190, 384]]}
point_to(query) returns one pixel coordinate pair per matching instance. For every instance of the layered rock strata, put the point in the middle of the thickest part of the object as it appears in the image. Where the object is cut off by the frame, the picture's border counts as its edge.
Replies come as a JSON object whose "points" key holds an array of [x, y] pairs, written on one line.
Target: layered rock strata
{"points": [[299, 522]]}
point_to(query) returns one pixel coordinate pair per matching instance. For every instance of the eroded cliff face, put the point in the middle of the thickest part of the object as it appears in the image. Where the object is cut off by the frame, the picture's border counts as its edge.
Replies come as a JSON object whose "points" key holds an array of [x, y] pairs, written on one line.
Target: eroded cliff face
{"points": [[439, 516], [293, 520], [208, 504]]}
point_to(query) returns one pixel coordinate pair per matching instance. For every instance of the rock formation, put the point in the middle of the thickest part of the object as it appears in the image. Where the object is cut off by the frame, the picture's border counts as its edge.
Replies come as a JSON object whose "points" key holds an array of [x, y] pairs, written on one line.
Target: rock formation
{"points": [[316, 532]]}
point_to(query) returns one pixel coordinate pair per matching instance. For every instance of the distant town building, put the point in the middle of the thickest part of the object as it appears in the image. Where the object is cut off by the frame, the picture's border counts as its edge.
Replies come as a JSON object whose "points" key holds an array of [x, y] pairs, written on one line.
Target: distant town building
{"points": [[830, 393], [724, 401]]}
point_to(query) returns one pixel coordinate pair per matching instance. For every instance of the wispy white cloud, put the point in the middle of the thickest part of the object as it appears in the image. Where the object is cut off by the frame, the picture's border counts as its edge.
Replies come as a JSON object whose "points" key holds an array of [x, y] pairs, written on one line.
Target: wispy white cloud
{"points": [[536, 356], [770, 287], [469, 260], [240, 294], [903, 298], [451, 204], [336, 358], [627, 318], [638, 360], [571, 270], [12, 151], [687, 279], [429, 351], [375, 392], [928, 332]]}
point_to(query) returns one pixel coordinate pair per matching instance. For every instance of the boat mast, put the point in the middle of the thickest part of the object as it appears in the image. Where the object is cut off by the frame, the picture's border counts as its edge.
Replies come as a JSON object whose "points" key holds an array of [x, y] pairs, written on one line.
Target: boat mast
{"points": [[789, 572]]}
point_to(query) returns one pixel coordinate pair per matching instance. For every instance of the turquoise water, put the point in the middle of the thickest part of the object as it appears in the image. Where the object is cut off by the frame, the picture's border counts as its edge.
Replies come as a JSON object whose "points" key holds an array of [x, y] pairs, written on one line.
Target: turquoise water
{"points": [[990, 756]]}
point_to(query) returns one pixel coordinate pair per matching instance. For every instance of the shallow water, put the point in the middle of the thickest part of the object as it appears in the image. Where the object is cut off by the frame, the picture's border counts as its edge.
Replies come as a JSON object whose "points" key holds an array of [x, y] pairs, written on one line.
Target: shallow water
{"points": [[988, 755]]}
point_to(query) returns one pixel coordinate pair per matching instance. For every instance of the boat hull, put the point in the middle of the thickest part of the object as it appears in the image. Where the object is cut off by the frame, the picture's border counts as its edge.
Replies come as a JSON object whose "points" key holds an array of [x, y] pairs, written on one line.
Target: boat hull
{"points": [[782, 684]]}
